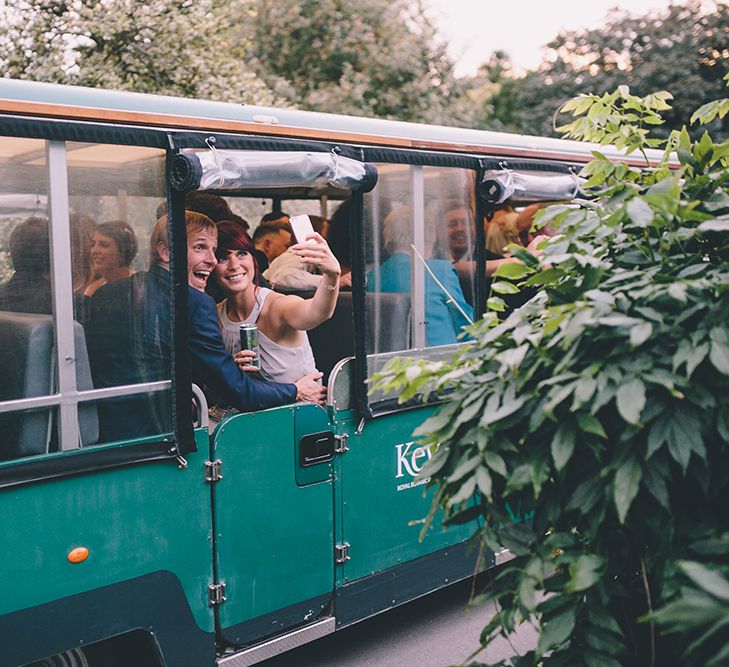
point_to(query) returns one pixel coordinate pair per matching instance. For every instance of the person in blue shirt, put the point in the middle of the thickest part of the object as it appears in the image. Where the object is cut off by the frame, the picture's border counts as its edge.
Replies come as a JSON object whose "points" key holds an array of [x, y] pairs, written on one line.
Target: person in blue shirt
{"points": [[444, 320]]}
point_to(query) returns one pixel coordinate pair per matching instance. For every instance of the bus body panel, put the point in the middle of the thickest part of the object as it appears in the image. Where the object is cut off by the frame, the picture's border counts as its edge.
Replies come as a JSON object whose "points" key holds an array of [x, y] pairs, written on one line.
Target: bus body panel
{"points": [[383, 506], [134, 521], [274, 534], [63, 101]]}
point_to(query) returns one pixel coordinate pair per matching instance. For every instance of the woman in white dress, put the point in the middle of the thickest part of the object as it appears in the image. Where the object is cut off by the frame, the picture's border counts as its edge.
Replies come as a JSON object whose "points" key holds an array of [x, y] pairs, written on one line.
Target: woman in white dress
{"points": [[282, 319]]}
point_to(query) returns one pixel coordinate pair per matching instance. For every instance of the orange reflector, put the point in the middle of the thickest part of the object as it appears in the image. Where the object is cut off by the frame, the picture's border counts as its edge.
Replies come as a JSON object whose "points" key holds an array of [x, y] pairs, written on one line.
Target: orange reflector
{"points": [[78, 555]]}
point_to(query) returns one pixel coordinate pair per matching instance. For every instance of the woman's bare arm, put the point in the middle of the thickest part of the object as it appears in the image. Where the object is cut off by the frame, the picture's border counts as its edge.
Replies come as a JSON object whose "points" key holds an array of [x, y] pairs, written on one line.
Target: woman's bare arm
{"points": [[305, 314]]}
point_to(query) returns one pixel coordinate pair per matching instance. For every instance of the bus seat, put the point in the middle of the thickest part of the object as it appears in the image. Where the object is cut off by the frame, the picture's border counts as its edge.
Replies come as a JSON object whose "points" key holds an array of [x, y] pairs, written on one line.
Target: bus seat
{"points": [[26, 363], [388, 324], [28, 367], [388, 321], [333, 339]]}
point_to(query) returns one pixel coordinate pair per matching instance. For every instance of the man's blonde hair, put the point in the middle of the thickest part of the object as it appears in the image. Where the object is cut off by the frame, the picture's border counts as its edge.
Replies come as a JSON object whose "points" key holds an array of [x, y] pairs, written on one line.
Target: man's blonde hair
{"points": [[194, 222]]}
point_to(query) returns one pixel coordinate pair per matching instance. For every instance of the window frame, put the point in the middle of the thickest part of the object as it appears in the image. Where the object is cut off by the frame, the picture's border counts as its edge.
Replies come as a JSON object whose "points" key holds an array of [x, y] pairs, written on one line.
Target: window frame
{"points": [[71, 458]]}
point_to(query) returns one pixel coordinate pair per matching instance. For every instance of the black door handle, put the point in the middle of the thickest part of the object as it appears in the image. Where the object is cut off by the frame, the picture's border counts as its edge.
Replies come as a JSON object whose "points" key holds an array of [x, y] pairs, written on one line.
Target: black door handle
{"points": [[316, 448]]}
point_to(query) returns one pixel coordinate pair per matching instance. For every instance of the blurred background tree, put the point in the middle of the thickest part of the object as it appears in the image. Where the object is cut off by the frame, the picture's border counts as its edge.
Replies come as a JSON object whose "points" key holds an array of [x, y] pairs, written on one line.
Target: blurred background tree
{"points": [[684, 49], [362, 57], [369, 58], [185, 47]]}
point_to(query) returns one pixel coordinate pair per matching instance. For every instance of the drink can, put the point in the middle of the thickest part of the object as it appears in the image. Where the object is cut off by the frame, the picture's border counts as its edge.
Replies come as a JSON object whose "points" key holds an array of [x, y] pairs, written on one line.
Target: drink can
{"points": [[249, 341]]}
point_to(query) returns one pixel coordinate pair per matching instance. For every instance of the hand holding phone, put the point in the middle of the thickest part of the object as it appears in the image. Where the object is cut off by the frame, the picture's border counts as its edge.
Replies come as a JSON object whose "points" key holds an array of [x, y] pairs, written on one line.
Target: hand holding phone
{"points": [[302, 227]]}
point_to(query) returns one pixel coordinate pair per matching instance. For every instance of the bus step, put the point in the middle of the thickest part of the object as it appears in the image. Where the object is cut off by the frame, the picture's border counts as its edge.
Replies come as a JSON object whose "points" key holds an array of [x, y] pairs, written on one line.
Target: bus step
{"points": [[278, 645]]}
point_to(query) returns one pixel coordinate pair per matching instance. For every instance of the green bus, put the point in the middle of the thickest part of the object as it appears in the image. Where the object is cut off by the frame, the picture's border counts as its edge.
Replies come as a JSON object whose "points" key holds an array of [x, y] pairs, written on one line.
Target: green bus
{"points": [[165, 544]]}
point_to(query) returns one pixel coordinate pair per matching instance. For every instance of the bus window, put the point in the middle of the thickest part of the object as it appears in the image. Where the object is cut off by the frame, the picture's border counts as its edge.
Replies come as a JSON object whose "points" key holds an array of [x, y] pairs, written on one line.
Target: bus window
{"points": [[114, 192], [420, 223], [82, 364]]}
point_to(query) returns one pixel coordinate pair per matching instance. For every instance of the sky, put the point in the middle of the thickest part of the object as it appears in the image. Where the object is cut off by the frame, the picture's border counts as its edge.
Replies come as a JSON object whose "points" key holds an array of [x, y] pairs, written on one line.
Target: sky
{"points": [[473, 29]]}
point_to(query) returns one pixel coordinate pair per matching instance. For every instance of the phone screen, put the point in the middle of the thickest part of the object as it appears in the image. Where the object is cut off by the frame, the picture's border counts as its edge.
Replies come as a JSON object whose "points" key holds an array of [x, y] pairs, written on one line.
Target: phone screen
{"points": [[302, 227]]}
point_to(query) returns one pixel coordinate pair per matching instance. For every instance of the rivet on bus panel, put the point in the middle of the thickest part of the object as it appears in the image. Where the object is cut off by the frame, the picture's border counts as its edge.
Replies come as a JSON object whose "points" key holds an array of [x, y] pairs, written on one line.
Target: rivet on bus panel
{"points": [[78, 555]]}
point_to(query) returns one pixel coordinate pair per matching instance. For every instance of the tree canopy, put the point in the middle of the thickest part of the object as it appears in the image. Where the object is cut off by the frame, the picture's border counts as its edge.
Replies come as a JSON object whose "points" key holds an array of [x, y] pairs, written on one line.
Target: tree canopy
{"points": [[183, 47], [684, 49], [367, 58]]}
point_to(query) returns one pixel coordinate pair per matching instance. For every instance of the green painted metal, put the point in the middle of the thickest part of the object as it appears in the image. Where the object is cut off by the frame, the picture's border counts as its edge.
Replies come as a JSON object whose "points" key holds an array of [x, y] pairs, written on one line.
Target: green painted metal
{"points": [[381, 508], [133, 520], [274, 538], [306, 422]]}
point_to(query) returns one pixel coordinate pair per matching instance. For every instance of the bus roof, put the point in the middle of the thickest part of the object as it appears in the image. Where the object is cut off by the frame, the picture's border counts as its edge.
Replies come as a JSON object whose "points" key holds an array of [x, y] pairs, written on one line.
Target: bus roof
{"points": [[100, 105]]}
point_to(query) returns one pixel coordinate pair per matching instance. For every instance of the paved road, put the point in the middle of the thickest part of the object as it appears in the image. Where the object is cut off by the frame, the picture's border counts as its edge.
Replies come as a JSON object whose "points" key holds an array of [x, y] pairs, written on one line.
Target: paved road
{"points": [[434, 631]]}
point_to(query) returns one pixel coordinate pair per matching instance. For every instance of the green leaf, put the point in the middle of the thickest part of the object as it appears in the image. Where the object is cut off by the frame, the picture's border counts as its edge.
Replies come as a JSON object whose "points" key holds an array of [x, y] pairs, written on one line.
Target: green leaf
{"points": [[504, 288], [678, 292], [483, 481], [683, 429], [584, 390], [585, 572], [714, 226], [627, 483], [710, 580], [513, 271], [590, 424], [563, 445], [656, 485], [690, 354], [719, 356], [640, 333], [630, 400], [528, 594], [495, 462], [640, 212], [555, 631], [495, 303], [585, 496], [464, 468], [546, 277], [464, 493]]}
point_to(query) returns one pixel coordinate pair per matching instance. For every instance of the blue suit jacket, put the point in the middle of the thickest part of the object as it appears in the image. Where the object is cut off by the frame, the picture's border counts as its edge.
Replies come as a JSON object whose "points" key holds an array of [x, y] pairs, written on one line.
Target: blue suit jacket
{"points": [[213, 367]]}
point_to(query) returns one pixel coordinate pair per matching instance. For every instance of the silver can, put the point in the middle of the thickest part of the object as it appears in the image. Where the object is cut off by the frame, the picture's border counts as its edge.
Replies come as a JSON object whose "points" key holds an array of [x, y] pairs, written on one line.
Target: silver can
{"points": [[249, 341]]}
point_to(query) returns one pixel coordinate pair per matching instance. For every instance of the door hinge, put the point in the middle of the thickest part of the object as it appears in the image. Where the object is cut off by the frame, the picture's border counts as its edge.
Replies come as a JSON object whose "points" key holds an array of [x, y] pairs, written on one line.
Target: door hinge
{"points": [[341, 443], [213, 471], [341, 553], [216, 594]]}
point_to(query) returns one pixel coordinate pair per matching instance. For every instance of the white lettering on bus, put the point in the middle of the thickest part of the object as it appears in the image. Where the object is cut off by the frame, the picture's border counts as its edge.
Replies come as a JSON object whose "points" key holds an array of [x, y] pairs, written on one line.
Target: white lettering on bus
{"points": [[409, 461]]}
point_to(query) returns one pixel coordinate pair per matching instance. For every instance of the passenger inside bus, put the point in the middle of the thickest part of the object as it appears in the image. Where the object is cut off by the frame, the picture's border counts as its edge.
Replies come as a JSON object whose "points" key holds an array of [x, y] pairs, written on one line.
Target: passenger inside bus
{"points": [[270, 241], [444, 319], [29, 288], [285, 354], [461, 231], [82, 230], [338, 238], [287, 273], [113, 247], [212, 205]]}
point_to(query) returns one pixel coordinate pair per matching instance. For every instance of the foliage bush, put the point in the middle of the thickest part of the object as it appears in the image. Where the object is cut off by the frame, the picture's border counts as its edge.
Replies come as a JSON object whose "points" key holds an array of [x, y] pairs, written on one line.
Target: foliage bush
{"points": [[598, 413]]}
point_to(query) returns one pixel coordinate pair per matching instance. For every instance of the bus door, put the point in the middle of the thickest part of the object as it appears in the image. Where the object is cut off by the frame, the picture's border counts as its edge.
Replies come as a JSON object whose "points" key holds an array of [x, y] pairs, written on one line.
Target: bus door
{"points": [[274, 525], [381, 503]]}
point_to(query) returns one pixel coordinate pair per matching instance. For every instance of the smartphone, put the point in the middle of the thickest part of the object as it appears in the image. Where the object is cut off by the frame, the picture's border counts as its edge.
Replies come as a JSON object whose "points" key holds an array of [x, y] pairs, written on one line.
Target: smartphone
{"points": [[302, 227]]}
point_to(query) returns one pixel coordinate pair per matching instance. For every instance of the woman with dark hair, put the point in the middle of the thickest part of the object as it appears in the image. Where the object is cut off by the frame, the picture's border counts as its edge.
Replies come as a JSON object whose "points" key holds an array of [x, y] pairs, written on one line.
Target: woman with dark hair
{"points": [[113, 247], [282, 320]]}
